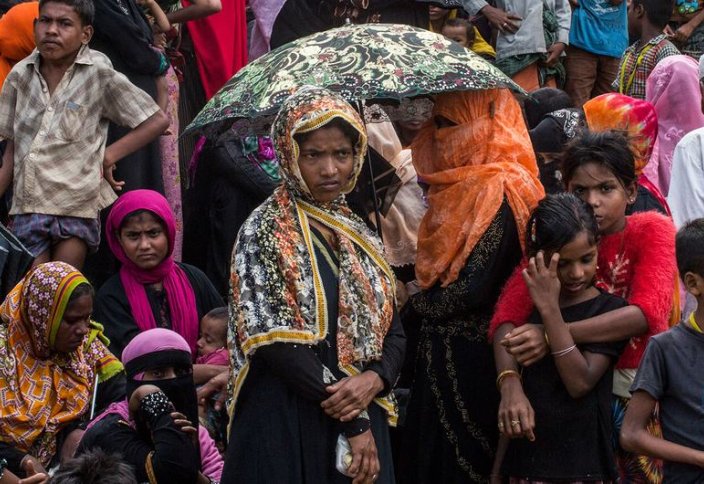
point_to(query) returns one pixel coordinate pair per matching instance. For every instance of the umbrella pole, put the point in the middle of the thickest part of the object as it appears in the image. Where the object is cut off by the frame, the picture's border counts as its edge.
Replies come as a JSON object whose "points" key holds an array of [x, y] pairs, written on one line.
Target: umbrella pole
{"points": [[377, 211]]}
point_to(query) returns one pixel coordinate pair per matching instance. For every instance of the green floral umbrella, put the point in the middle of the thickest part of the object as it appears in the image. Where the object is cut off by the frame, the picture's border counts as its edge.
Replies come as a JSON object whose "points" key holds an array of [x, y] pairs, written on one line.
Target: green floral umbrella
{"points": [[360, 62]]}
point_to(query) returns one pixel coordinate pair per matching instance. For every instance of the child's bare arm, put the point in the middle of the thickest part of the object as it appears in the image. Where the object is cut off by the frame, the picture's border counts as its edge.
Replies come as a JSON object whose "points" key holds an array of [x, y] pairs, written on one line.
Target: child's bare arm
{"points": [[635, 437], [203, 373], [161, 21], [7, 168], [195, 10], [140, 136]]}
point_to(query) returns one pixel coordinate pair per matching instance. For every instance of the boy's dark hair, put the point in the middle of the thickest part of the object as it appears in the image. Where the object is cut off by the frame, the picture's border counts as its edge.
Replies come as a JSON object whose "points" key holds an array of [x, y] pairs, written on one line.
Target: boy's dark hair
{"points": [[689, 248], [557, 220], [462, 22], [610, 149], [543, 101], [94, 467], [84, 8], [658, 12], [218, 313]]}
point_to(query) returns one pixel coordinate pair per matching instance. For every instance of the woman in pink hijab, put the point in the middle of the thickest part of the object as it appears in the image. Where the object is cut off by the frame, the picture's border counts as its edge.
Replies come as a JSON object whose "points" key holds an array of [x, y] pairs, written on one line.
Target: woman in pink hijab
{"points": [[673, 88], [151, 290], [155, 428]]}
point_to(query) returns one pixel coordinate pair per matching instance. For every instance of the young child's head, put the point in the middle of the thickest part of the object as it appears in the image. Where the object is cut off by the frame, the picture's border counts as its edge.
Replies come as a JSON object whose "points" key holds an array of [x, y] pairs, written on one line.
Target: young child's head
{"points": [[213, 331], [689, 247], [564, 224], [654, 12], [62, 28], [600, 169], [96, 467], [544, 101], [459, 30]]}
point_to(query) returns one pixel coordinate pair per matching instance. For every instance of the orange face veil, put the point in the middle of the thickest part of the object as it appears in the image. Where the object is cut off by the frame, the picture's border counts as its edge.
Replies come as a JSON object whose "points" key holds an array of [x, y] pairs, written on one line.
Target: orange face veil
{"points": [[471, 168]]}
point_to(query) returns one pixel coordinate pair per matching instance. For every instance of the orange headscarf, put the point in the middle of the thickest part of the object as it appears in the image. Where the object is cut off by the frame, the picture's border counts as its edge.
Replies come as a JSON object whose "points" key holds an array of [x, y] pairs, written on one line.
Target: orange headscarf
{"points": [[16, 36], [470, 168]]}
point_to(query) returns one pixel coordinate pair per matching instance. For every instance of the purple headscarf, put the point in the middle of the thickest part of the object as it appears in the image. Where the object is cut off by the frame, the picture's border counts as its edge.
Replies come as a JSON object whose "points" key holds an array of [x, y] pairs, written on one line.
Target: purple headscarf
{"points": [[673, 88]]}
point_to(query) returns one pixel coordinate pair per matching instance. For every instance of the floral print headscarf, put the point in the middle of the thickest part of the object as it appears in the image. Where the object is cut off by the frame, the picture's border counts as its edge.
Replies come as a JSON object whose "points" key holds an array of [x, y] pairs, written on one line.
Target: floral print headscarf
{"points": [[44, 390], [277, 294]]}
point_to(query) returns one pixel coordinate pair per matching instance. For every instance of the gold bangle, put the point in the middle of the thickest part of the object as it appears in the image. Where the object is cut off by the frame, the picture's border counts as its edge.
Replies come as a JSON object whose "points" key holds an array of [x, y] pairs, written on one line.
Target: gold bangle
{"points": [[504, 374], [547, 341]]}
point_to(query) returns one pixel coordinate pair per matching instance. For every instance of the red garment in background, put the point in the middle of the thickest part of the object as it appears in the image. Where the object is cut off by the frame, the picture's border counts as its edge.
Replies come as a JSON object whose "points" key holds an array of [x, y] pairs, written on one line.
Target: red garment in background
{"points": [[220, 42]]}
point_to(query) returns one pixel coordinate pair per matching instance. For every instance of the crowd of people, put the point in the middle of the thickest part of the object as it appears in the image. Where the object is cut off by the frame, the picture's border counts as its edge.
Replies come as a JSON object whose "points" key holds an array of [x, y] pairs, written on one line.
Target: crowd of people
{"points": [[525, 307]]}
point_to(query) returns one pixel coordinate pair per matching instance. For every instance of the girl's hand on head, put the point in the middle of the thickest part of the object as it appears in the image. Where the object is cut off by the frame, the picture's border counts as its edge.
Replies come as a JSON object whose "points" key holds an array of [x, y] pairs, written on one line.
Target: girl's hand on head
{"points": [[542, 281], [526, 344], [516, 417]]}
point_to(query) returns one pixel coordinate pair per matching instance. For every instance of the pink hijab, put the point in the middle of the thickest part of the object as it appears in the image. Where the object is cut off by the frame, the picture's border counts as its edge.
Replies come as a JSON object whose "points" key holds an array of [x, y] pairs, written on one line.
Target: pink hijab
{"points": [[179, 292], [673, 88], [154, 341]]}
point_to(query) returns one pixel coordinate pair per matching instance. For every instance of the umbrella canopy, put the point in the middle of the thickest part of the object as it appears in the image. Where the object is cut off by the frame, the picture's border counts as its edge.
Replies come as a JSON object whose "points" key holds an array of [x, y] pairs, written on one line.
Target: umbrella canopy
{"points": [[360, 62]]}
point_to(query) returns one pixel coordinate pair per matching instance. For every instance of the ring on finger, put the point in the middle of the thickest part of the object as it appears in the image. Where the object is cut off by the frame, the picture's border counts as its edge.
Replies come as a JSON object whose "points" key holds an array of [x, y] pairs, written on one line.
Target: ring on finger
{"points": [[504, 25], [515, 422]]}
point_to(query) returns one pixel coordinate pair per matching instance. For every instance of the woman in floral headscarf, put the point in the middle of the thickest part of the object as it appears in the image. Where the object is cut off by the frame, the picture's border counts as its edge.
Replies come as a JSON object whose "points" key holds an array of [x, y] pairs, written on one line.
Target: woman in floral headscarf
{"points": [[51, 358], [315, 343]]}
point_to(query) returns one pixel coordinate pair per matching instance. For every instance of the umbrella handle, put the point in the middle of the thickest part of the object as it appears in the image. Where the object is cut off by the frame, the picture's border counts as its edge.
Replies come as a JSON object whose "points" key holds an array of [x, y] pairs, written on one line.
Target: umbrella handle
{"points": [[377, 211]]}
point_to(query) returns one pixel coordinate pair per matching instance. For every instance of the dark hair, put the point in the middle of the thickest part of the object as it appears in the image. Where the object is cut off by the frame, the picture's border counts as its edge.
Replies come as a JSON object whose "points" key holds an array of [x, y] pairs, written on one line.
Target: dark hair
{"points": [[543, 101], [133, 215], [83, 289], [84, 8], [218, 313], [94, 467], [462, 22], [557, 220], [658, 12], [610, 149], [347, 129], [689, 247]]}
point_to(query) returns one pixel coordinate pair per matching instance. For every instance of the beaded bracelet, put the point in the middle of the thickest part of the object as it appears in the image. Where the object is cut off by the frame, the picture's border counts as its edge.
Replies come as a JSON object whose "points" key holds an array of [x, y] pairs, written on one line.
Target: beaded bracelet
{"points": [[156, 404]]}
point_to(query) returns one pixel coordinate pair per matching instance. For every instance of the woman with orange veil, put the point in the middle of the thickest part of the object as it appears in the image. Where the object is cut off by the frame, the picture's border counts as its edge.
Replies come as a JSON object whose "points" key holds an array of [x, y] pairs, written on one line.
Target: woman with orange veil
{"points": [[477, 158], [16, 35]]}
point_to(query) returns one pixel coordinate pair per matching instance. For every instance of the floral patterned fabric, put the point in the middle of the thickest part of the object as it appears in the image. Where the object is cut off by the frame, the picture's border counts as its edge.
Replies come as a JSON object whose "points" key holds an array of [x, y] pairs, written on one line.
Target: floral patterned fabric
{"points": [[359, 62], [277, 293], [43, 390]]}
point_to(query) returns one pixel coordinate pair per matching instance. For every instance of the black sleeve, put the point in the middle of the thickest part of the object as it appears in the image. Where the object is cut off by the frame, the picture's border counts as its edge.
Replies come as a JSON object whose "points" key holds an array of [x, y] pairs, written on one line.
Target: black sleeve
{"points": [[110, 391], [607, 303], [13, 457], [172, 452], [302, 370], [480, 281], [389, 367], [112, 310], [126, 38], [207, 297]]}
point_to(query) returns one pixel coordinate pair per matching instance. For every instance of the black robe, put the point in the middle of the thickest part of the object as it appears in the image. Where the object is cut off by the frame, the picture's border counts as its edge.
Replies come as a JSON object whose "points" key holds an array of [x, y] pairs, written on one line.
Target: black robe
{"points": [[112, 308], [451, 427], [279, 432]]}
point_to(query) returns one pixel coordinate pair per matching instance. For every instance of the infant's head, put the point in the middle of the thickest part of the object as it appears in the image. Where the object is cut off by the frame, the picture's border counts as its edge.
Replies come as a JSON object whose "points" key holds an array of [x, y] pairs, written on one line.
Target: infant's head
{"points": [[213, 331]]}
